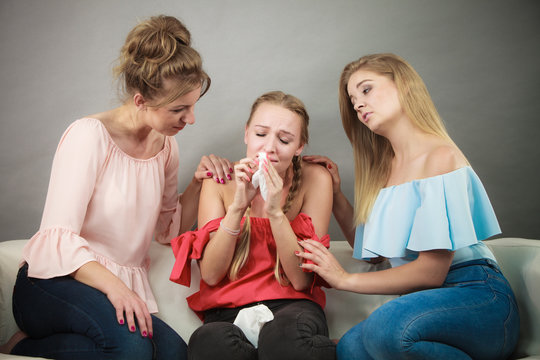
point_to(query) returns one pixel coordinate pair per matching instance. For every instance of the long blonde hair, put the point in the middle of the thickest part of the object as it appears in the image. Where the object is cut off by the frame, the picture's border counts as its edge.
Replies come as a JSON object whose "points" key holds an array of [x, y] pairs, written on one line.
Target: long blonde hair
{"points": [[373, 153], [296, 106], [156, 50]]}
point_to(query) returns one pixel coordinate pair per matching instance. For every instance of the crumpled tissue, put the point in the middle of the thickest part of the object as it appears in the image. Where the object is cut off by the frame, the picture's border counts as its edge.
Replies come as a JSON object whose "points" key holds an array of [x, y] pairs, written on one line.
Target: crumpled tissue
{"points": [[258, 179], [250, 320]]}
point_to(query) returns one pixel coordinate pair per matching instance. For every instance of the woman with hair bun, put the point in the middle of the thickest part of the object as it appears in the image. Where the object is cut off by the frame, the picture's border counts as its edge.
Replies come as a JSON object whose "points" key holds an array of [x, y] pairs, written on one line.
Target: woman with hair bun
{"points": [[247, 242], [82, 291]]}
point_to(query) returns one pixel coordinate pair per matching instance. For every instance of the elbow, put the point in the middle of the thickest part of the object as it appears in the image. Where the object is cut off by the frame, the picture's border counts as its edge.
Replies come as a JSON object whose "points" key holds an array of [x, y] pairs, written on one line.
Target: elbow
{"points": [[211, 279], [301, 284]]}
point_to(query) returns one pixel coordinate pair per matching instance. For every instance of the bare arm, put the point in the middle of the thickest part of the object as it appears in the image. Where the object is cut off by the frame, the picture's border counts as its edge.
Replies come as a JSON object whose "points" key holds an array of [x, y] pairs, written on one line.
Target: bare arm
{"points": [[428, 271], [317, 203]]}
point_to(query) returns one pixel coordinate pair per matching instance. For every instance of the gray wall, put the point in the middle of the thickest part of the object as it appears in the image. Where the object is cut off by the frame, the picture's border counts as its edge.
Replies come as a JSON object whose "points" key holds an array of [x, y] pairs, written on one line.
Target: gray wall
{"points": [[479, 59]]}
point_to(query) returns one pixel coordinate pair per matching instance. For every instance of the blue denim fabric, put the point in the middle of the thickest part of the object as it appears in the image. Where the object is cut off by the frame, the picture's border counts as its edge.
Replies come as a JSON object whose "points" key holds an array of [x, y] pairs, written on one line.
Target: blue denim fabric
{"points": [[66, 319], [473, 315]]}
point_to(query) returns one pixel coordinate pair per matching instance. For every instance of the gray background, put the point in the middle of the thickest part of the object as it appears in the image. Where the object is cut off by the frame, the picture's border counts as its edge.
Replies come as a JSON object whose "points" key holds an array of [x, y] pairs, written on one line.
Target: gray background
{"points": [[479, 59]]}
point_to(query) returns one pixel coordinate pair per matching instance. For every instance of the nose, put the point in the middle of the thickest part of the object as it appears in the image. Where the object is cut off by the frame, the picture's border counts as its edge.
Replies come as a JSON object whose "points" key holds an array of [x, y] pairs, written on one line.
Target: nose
{"points": [[358, 106], [270, 144], [189, 117]]}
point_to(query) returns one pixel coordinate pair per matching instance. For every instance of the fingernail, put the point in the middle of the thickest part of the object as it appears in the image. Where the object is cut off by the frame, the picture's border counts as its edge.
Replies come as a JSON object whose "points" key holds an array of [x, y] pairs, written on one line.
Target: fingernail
{"points": [[329, 166], [209, 174], [121, 321], [229, 177], [133, 328], [144, 333], [296, 252], [217, 180], [231, 170], [150, 335], [222, 181]]}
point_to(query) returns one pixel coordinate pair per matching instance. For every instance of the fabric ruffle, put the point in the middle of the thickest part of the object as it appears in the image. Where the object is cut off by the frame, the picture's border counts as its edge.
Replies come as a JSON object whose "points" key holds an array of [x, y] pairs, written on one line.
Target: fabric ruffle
{"points": [[190, 245], [67, 252], [449, 211]]}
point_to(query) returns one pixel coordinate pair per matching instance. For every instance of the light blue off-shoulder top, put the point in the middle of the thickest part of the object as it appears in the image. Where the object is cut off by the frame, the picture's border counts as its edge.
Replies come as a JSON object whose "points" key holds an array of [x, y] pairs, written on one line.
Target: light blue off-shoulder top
{"points": [[450, 211]]}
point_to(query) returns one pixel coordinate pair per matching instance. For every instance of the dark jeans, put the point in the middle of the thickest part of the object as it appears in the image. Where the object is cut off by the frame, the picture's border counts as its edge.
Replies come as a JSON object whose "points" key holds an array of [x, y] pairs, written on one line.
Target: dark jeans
{"points": [[66, 319], [298, 331]]}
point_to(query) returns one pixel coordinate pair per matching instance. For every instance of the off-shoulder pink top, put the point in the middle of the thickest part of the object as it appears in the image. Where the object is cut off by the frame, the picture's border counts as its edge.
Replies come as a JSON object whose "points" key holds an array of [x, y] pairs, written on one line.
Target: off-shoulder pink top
{"points": [[103, 205]]}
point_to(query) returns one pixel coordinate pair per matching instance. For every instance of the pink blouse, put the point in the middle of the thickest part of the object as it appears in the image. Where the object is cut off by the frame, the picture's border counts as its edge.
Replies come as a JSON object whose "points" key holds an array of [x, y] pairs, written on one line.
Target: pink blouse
{"points": [[103, 205]]}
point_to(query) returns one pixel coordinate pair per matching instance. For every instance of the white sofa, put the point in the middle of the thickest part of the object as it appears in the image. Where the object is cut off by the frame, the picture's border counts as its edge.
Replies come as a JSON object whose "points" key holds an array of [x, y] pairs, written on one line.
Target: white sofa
{"points": [[518, 258]]}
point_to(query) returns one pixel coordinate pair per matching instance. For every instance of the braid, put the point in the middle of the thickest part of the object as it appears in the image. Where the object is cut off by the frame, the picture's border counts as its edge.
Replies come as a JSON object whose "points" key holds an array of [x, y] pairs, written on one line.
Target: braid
{"points": [[293, 191], [296, 183], [241, 251]]}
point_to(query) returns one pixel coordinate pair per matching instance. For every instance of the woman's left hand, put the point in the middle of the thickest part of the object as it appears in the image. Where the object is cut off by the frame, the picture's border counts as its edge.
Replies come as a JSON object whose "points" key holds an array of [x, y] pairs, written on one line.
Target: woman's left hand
{"points": [[212, 166], [274, 186], [325, 264]]}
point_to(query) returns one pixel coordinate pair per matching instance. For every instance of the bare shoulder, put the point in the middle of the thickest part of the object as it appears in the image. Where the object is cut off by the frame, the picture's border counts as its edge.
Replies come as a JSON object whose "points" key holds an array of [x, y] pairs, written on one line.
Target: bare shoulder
{"points": [[315, 175], [443, 158]]}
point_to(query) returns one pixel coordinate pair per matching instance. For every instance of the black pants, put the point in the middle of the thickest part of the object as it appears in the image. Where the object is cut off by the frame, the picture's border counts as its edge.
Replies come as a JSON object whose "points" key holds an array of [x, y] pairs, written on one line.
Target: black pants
{"points": [[298, 331]]}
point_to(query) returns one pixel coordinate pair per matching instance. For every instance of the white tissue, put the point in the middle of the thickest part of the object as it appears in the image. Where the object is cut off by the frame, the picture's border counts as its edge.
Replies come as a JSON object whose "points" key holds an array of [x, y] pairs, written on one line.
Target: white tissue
{"points": [[250, 320], [258, 179]]}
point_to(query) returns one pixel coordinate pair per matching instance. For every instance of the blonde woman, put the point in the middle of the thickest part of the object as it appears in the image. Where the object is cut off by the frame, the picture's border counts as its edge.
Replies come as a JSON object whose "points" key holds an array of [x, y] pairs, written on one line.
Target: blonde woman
{"points": [[418, 203], [247, 242], [83, 290]]}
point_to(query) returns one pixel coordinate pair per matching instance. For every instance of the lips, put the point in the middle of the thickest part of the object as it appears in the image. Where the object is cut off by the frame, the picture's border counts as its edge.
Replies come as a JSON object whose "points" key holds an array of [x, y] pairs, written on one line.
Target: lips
{"points": [[365, 116]]}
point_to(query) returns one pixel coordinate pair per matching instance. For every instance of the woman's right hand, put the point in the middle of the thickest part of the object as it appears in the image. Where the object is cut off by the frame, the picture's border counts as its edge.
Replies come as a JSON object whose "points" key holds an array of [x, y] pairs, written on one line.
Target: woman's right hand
{"points": [[330, 166], [129, 306]]}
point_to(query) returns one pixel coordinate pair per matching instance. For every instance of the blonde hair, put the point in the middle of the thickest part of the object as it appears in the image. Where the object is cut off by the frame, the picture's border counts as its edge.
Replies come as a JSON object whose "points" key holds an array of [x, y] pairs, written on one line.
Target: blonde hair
{"points": [[156, 50], [373, 153], [296, 106]]}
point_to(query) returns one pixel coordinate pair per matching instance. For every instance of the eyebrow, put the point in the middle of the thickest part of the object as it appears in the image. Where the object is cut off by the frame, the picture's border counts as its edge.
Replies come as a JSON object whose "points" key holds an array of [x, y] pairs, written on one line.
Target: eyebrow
{"points": [[280, 131], [360, 84]]}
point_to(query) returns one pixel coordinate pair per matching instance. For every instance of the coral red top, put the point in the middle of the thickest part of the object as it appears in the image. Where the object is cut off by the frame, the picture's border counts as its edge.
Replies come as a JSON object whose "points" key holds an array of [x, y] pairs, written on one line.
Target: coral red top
{"points": [[256, 280]]}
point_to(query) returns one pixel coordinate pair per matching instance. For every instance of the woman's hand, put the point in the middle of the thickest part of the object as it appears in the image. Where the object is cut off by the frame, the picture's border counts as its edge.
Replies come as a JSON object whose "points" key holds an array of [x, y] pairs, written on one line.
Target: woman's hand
{"points": [[245, 192], [330, 166], [216, 167], [274, 186], [125, 301], [325, 264]]}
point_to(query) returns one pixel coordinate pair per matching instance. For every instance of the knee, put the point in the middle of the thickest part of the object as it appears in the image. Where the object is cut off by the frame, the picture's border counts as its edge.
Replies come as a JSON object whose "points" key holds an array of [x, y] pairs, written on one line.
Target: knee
{"points": [[296, 336], [220, 340], [130, 347]]}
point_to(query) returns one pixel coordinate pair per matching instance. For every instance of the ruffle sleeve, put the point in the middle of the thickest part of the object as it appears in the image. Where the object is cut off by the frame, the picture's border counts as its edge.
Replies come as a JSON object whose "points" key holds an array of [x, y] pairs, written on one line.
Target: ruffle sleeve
{"points": [[189, 246], [449, 211], [69, 251]]}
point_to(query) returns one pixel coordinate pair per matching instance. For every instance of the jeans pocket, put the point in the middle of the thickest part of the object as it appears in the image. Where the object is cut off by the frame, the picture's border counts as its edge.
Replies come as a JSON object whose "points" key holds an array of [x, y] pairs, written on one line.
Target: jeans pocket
{"points": [[467, 275]]}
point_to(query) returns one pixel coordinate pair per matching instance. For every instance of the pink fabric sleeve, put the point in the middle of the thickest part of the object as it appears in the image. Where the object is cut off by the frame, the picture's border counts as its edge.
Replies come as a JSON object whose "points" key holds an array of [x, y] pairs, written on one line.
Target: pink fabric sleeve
{"points": [[189, 246], [57, 249], [168, 223]]}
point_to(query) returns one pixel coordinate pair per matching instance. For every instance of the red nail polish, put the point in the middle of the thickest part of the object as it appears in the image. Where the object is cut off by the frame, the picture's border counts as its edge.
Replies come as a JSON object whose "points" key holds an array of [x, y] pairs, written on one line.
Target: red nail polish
{"points": [[217, 180], [329, 166], [150, 335], [209, 174], [133, 328], [296, 252], [229, 177], [144, 333], [121, 321], [222, 181], [231, 170]]}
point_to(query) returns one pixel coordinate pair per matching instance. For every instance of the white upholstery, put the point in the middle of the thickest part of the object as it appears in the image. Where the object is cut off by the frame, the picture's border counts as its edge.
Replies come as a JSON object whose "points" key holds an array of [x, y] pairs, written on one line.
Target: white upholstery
{"points": [[519, 260]]}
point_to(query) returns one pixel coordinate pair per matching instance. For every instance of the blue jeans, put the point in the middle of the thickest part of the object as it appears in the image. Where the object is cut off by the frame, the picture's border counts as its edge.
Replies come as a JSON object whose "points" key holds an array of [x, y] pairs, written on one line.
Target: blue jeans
{"points": [[66, 319], [473, 315]]}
